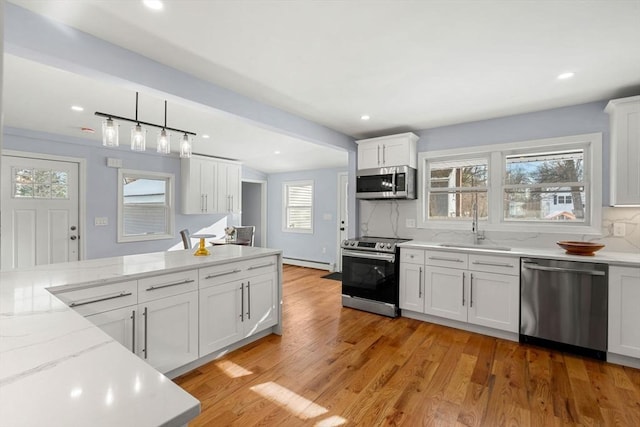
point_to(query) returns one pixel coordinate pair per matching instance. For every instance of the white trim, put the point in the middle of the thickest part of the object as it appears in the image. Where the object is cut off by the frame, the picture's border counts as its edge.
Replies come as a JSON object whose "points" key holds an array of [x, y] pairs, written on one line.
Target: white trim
{"points": [[121, 238], [592, 143], [264, 208], [286, 229], [338, 263], [82, 188], [311, 264]]}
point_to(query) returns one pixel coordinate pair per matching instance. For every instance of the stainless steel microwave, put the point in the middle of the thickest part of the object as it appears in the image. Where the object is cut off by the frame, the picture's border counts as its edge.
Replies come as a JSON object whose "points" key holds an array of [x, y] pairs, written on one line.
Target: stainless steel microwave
{"points": [[397, 182]]}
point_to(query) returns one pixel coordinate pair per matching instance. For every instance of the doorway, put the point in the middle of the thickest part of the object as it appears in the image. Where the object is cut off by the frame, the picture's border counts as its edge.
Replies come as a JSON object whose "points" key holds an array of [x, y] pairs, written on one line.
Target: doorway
{"points": [[343, 215], [41, 219], [254, 209]]}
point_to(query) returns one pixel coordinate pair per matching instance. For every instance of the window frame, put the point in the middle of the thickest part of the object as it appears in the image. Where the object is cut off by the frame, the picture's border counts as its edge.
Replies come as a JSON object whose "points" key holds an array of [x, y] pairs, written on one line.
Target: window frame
{"points": [[285, 205], [169, 205], [590, 143]]}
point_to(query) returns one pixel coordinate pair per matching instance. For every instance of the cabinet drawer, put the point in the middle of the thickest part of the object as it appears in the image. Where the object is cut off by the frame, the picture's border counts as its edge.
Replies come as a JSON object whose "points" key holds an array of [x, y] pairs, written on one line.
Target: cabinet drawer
{"points": [[165, 285], [412, 256], [101, 298], [257, 266], [495, 264], [218, 274], [446, 259]]}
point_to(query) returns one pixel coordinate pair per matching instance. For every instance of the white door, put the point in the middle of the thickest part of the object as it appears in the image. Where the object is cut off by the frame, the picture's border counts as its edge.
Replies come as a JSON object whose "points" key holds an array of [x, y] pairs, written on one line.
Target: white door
{"points": [[39, 212], [343, 220]]}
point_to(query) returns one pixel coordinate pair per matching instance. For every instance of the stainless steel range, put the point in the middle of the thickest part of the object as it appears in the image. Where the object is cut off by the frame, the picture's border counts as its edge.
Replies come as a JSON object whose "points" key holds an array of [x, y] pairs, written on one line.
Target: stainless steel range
{"points": [[370, 274]]}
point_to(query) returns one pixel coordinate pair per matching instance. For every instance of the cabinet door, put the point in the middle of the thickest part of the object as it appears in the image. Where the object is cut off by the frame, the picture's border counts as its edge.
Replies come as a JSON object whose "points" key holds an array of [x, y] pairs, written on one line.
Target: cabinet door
{"points": [[494, 300], [208, 187], [624, 315], [395, 152], [234, 187], [412, 287], [220, 322], [369, 155], [261, 308], [118, 324], [625, 150], [168, 335], [444, 293]]}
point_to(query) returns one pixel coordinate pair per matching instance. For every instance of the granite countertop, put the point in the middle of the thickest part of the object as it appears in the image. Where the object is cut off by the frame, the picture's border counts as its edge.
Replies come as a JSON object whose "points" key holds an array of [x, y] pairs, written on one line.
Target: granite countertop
{"points": [[58, 369], [624, 259]]}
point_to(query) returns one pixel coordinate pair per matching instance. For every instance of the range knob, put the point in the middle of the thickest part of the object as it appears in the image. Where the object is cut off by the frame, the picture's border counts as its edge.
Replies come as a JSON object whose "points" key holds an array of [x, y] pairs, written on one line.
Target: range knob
{"points": [[345, 243], [388, 245], [353, 243]]}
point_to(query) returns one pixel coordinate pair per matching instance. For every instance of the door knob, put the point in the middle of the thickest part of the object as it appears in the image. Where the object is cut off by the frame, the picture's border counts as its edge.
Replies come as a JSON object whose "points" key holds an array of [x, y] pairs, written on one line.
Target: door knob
{"points": [[341, 228], [73, 237], [73, 228]]}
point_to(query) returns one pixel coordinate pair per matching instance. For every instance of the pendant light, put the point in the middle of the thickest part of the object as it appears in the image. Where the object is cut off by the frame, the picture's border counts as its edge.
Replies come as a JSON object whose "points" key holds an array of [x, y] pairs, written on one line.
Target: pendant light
{"points": [[110, 131], [163, 145]]}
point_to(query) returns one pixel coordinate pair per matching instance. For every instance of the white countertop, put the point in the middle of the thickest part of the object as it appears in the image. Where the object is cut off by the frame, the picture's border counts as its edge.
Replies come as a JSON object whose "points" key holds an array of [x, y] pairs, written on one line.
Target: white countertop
{"points": [[602, 256], [58, 369]]}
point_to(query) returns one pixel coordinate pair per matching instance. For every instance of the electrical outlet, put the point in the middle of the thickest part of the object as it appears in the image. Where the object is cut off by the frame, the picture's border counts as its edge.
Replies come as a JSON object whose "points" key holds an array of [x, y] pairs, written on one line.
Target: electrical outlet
{"points": [[100, 221], [619, 229], [410, 223], [324, 250]]}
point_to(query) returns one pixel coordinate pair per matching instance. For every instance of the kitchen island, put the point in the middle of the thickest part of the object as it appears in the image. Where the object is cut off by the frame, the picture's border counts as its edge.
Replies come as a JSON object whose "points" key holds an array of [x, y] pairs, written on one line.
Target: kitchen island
{"points": [[58, 369]]}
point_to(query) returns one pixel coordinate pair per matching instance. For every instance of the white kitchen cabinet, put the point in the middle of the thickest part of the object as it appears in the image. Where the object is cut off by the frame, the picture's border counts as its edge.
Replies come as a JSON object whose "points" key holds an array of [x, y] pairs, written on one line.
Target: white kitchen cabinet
{"points": [[412, 287], [624, 315], [261, 302], [168, 336], [220, 310], [387, 151], [624, 144], [494, 300], [445, 294], [119, 324], [198, 184], [229, 187]]}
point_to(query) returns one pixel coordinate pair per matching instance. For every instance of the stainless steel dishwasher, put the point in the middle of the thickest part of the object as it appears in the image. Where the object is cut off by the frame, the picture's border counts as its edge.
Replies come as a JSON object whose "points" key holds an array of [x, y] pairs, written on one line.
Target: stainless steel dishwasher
{"points": [[563, 305]]}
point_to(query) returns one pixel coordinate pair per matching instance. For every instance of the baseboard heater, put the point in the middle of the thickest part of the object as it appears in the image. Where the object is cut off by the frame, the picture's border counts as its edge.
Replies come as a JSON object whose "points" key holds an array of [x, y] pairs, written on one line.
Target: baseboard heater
{"points": [[306, 263]]}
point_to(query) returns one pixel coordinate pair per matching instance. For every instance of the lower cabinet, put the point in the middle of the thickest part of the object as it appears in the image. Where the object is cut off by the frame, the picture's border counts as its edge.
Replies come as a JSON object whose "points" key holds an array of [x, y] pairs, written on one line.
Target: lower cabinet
{"points": [[119, 324], [444, 293], [624, 315]]}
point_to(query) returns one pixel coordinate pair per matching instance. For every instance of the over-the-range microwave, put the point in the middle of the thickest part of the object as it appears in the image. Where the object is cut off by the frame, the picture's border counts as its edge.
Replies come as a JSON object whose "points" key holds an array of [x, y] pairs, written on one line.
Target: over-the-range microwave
{"points": [[396, 182]]}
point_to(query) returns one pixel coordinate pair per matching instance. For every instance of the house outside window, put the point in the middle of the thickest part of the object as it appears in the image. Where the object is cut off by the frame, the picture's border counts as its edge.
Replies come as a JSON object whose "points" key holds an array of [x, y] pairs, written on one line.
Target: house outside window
{"points": [[298, 207]]}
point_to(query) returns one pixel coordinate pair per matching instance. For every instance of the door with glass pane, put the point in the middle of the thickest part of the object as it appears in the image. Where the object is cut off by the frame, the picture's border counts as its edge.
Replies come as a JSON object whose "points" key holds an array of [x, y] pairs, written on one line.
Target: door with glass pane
{"points": [[39, 212]]}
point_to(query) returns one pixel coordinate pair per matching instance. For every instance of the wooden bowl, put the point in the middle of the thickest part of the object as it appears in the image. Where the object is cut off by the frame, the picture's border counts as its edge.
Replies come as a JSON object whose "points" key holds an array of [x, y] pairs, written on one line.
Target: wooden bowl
{"points": [[580, 248]]}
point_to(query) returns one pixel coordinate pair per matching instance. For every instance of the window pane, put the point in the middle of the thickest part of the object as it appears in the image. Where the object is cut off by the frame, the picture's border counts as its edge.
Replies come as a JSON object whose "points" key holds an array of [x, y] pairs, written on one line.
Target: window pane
{"points": [[23, 190], [458, 173], [452, 205], [144, 190], [145, 206], [300, 195], [298, 217], [144, 220], [298, 206], [545, 204], [545, 168]]}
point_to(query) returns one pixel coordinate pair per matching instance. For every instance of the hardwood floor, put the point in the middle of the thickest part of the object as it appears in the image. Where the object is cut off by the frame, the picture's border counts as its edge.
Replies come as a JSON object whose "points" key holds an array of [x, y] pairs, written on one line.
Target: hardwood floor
{"points": [[335, 366]]}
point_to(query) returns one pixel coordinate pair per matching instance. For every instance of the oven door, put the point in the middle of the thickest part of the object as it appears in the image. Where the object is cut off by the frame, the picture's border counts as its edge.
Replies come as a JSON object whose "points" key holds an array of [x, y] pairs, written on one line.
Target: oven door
{"points": [[370, 275]]}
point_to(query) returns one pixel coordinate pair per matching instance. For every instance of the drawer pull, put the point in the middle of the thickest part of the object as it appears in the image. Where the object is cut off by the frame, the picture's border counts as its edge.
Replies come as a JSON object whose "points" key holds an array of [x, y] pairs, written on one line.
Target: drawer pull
{"points": [[435, 258], [255, 267], [226, 273], [492, 264], [104, 298], [184, 282]]}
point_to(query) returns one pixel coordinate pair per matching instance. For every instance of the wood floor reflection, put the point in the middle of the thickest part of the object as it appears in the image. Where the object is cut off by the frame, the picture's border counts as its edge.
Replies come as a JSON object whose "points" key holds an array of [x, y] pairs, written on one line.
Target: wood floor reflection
{"points": [[335, 366]]}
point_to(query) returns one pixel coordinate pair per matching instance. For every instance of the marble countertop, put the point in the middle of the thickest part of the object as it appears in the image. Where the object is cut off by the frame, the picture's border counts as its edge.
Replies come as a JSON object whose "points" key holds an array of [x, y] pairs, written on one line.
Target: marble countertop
{"points": [[58, 369], [603, 256]]}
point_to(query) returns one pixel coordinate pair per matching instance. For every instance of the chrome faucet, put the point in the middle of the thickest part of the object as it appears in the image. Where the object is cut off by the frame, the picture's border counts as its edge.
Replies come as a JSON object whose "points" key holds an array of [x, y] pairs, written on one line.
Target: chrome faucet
{"points": [[477, 234]]}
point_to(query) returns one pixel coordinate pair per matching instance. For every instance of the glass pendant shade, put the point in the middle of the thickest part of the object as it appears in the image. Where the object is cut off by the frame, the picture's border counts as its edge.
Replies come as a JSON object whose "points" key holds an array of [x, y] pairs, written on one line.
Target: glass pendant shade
{"points": [[185, 146], [138, 138], [110, 133], [164, 142]]}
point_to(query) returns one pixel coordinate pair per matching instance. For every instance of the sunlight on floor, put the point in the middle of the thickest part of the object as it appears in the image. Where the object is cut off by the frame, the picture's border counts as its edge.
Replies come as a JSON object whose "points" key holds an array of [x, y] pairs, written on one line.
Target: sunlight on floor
{"points": [[232, 370], [331, 422], [294, 403]]}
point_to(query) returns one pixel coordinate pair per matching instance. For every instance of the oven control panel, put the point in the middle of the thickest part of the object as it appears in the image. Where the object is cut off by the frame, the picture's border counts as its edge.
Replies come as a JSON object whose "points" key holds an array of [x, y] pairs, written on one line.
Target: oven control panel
{"points": [[369, 246]]}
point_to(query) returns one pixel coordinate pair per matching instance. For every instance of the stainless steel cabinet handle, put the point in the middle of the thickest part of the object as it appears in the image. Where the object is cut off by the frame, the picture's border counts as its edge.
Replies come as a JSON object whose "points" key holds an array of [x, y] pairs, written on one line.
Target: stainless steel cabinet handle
{"points": [[471, 291], [226, 273], [153, 288], [378, 155], [369, 255], [248, 300], [206, 202], [254, 267], [145, 349], [201, 202], [384, 152], [242, 302], [463, 289], [133, 331], [435, 258], [493, 264], [103, 298], [532, 266], [420, 284]]}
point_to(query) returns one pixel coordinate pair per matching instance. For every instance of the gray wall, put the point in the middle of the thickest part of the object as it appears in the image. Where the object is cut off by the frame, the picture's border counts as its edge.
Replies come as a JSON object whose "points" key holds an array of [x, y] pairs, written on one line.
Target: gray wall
{"points": [[252, 209]]}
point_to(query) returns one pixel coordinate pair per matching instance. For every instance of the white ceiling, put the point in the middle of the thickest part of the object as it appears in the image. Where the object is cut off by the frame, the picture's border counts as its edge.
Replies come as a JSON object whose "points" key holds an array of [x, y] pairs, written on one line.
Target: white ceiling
{"points": [[410, 65]]}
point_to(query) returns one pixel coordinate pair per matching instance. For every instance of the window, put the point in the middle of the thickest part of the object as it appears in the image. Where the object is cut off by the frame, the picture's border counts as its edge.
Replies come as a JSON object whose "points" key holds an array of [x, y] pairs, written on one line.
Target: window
{"points": [[298, 207], [34, 183], [145, 207], [552, 185]]}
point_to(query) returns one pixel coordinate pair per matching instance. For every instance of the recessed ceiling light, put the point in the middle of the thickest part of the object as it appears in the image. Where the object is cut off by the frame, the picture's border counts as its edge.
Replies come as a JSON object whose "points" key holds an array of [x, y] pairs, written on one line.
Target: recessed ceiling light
{"points": [[364, 117], [153, 4], [567, 75], [276, 152], [77, 108], [205, 136]]}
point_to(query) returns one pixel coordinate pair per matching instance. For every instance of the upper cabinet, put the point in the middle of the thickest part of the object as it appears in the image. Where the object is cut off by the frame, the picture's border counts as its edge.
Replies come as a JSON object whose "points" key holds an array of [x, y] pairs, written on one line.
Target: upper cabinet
{"points": [[210, 186], [386, 151], [624, 140]]}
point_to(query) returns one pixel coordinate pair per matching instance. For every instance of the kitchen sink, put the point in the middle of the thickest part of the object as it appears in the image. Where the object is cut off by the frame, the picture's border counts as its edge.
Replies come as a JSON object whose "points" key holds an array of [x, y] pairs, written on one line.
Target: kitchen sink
{"points": [[472, 246]]}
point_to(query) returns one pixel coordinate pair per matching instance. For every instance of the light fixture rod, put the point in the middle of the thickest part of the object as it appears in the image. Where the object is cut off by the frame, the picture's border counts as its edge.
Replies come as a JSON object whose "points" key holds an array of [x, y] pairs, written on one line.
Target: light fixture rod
{"points": [[165, 114], [136, 106], [111, 116]]}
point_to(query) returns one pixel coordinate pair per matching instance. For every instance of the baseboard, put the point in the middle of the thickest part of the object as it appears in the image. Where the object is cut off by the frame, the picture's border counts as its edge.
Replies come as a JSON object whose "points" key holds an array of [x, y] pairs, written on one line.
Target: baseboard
{"points": [[311, 264]]}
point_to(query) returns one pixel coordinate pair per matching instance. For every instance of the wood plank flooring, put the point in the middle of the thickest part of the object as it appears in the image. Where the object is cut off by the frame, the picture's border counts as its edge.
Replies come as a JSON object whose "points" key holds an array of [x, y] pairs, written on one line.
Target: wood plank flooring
{"points": [[336, 366]]}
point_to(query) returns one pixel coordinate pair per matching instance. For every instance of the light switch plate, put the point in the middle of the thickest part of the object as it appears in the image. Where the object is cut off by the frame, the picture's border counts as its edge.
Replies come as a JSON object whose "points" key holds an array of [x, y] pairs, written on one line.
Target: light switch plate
{"points": [[114, 163], [619, 229], [410, 223], [100, 221]]}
